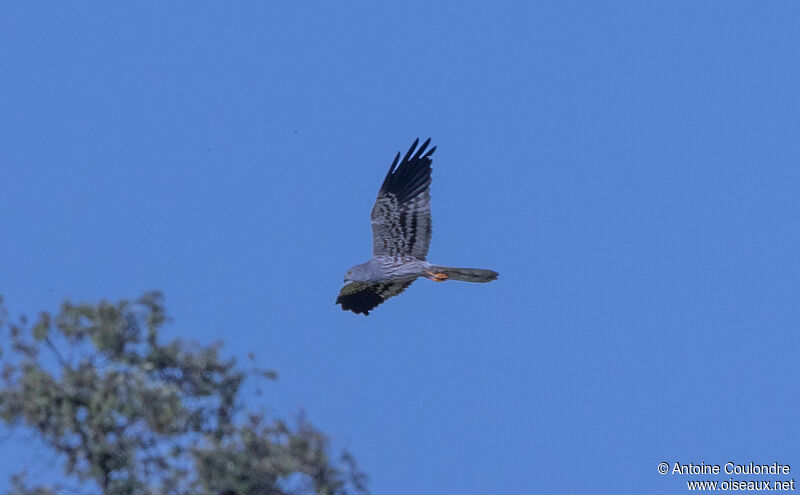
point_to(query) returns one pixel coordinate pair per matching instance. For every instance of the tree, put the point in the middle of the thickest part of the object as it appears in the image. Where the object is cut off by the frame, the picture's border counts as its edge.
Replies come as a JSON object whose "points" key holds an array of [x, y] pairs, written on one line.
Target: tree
{"points": [[130, 415]]}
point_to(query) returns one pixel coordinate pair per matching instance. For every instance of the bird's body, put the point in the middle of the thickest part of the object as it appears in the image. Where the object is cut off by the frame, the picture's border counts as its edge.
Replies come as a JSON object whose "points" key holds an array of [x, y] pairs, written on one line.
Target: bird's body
{"points": [[401, 235], [382, 268]]}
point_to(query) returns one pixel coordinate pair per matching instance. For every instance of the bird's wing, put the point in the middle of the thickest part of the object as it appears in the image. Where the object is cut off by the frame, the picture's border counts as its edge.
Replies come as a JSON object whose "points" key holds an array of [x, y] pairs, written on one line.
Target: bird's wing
{"points": [[401, 217], [361, 297]]}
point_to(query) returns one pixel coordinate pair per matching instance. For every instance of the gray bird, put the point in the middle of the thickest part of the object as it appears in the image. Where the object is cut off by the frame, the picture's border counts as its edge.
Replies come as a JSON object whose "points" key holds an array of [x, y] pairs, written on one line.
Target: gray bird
{"points": [[401, 235]]}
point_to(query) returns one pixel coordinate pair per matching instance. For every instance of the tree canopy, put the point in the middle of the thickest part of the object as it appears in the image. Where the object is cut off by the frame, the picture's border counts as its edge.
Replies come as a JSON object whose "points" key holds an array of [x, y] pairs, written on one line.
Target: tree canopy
{"points": [[130, 414]]}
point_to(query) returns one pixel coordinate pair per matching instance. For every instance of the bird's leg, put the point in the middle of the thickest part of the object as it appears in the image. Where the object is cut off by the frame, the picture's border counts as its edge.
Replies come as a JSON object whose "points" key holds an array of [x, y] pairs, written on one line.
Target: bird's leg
{"points": [[436, 276]]}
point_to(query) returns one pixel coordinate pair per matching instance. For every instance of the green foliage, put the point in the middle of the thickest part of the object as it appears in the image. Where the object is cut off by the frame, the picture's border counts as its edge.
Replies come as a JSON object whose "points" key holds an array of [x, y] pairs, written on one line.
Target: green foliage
{"points": [[130, 414]]}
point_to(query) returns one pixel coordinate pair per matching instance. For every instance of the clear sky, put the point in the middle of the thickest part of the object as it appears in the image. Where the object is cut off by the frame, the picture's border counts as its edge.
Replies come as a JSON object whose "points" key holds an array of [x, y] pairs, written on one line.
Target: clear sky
{"points": [[632, 170]]}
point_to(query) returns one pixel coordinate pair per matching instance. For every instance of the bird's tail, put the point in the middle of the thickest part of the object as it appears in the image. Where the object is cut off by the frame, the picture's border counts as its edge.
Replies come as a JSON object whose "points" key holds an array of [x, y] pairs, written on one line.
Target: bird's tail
{"points": [[441, 273]]}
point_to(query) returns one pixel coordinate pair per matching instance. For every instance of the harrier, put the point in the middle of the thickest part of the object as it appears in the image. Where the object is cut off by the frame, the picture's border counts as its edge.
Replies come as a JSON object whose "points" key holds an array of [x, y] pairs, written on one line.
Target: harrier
{"points": [[401, 234]]}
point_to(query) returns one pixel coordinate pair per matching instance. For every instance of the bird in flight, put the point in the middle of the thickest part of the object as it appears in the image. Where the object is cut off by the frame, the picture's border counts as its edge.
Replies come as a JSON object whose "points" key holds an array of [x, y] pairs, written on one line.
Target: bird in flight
{"points": [[401, 235]]}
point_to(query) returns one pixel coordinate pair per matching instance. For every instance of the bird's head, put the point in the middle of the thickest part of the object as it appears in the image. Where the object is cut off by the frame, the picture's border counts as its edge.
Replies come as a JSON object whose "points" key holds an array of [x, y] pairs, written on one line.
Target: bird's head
{"points": [[365, 272]]}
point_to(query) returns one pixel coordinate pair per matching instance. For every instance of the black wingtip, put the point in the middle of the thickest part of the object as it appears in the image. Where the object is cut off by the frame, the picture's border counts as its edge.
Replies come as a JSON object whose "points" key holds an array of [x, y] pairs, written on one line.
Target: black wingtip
{"points": [[411, 150], [425, 144], [415, 153], [359, 302], [346, 307], [412, 174]]}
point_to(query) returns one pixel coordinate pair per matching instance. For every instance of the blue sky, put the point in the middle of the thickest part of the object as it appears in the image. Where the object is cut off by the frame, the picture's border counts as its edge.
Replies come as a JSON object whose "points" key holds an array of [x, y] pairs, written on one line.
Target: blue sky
{"points": [[631, 169]]}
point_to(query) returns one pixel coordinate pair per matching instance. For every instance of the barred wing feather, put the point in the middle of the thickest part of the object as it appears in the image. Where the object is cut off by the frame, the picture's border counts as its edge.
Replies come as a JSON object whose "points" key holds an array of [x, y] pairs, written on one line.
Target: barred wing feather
{"points": [[401, 217]]}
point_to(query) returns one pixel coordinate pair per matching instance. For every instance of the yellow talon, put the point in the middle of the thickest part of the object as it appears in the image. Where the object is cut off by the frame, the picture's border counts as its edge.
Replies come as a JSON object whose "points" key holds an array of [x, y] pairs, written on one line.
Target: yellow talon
{"points": [[437, 277]]}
